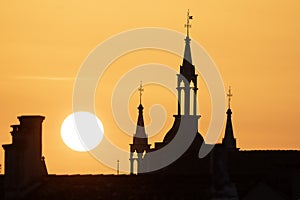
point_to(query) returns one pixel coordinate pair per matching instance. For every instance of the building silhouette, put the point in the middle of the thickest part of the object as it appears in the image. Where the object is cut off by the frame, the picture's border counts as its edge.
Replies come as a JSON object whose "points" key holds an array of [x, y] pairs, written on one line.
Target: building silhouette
{"points": [[229, 172], [225, 173], [24, 163]]}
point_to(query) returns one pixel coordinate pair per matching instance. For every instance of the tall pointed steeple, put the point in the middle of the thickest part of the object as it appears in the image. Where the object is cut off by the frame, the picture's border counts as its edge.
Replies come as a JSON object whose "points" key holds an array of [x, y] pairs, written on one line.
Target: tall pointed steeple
{"points": [[140, 140], [229, 141], [187, 69], [187, 78]]}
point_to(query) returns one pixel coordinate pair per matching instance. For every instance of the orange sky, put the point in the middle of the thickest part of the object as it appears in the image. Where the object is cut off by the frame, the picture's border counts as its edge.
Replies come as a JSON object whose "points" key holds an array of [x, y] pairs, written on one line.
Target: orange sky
{"points": [[254, 43]]}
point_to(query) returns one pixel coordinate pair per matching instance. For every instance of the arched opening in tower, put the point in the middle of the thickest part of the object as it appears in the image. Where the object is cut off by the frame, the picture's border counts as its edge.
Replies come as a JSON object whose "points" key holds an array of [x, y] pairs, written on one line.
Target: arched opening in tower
{"points": [[135, 166], [192, 97], [182, 102]]}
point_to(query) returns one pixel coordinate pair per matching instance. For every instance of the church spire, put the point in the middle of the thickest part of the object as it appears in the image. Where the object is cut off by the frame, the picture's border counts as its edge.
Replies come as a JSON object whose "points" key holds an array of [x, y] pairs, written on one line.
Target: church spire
{"points": [[187, 79], [140, 140], [187, 68], [229, 141]]}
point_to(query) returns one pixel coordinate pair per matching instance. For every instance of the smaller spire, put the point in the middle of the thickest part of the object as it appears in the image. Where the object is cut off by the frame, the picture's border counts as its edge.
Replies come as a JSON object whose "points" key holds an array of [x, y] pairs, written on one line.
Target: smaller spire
{"points": [[229, 95], [229, 141], [141, 90], [140, 139]]}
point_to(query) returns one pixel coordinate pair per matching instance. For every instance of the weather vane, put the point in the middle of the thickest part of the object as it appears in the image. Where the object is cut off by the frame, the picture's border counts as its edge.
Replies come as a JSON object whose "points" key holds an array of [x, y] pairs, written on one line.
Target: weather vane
{"points": [[229, 95], [187, 25], [141, 89]]}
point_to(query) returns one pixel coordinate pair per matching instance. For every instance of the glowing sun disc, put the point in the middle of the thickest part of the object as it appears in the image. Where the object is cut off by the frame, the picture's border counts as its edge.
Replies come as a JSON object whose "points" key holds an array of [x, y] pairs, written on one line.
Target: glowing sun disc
{"points": [[82, 131]]}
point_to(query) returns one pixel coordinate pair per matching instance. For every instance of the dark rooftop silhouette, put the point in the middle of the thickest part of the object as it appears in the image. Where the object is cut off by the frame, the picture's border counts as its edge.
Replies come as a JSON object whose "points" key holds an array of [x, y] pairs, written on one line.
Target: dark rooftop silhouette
{"points": [[225, 173]]}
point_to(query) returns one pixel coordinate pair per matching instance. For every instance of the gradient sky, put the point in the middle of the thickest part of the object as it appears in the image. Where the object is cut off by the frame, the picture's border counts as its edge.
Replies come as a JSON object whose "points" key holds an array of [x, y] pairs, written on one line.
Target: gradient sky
{"points": [[255, 45]]}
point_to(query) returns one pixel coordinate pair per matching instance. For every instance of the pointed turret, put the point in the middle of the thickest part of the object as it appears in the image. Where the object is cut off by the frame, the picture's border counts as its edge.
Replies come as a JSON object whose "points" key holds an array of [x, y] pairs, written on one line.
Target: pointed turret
{"points": [[229, 141], [140, 140]]}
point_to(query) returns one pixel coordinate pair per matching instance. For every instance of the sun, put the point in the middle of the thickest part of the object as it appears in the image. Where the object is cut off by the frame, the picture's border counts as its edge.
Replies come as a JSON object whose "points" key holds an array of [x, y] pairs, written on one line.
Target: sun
{"points": [[82, 131]]}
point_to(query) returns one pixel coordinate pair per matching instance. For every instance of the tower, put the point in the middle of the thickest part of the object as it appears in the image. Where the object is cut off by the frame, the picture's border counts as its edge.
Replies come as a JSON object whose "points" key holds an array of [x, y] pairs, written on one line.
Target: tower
{"points": [[186, 120], [229, 141], [187, 95], [24, 164], [187, 79], [140, 140]]}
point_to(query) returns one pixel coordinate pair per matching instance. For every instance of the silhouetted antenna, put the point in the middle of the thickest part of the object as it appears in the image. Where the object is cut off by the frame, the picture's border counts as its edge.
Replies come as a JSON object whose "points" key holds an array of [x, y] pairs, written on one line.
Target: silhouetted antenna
{"points": [[118, 167], [187, 25], [0, 168], [141, 89], [229, 95]]}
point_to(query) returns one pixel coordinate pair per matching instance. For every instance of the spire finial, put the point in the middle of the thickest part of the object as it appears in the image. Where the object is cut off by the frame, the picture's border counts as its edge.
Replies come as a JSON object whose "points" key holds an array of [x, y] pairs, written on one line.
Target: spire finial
{"points": [[141, 89], [229, 95], [187, 25]]}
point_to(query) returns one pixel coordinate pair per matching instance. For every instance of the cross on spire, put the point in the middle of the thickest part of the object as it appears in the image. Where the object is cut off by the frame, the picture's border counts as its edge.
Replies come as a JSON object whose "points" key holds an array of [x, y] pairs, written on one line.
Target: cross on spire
{"points": [[187, 25], [141, 90], [229, 95]]}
